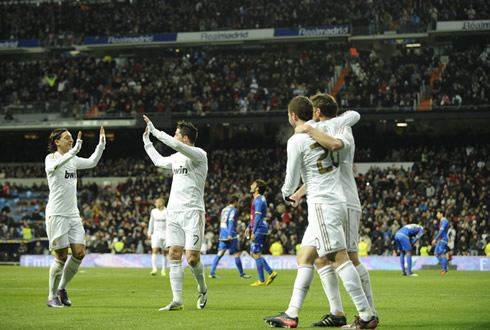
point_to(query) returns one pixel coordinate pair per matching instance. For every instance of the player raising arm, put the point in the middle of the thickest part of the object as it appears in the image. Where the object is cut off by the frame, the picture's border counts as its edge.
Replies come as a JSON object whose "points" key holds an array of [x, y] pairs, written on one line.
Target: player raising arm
{"points": [[185, 216], [63, 222]]}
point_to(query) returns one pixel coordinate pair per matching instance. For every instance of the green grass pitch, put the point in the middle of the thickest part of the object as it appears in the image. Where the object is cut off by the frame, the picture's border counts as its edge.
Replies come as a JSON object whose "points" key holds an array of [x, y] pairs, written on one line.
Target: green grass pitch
{"points": [[122, 298]]}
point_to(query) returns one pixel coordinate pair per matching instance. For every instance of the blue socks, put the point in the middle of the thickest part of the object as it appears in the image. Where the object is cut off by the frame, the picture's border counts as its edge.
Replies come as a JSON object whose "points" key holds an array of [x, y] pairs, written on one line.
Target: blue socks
{"points": [[402, 262], [215, 264], [267, 267], [260, 268], [409, 264], [444, 263], [238, 263]]}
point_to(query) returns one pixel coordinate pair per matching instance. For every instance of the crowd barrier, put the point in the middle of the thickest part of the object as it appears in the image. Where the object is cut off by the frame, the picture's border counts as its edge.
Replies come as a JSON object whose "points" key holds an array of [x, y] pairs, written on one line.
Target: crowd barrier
{"points": [[276, 262]]}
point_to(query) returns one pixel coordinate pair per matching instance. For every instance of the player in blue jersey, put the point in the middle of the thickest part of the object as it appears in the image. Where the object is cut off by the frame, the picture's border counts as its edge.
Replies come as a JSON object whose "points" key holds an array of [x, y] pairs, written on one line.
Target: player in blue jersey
{"points": [[441, 239], [405, 238], [258, 231], [228, 238]]}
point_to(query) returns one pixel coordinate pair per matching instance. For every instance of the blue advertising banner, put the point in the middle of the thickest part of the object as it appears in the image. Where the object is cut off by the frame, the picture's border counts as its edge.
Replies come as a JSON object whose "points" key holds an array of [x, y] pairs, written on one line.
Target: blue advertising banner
{"points": [[131, 39], [317, 31], [22, 43]]}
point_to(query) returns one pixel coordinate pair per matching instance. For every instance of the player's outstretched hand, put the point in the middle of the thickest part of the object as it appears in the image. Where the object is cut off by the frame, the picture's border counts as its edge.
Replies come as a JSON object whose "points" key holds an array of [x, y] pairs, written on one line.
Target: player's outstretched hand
{"points": [[102, 134], [78, 143], [147, 120]]}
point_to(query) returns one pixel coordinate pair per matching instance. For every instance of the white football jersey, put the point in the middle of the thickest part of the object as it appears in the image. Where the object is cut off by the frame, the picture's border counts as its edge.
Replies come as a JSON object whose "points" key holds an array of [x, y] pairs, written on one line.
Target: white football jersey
{"points": [[158, 221], [318, 167], [61, 172], [347, 168], [190, 168]]}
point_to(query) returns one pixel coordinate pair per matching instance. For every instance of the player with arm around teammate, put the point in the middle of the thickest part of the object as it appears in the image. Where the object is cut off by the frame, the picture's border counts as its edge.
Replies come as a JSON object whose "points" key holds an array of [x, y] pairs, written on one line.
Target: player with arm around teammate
{"points": [[63, 223], [324, 236], [228, 238], [405, 238], [185, 215], [325, 109], [157, 233]]}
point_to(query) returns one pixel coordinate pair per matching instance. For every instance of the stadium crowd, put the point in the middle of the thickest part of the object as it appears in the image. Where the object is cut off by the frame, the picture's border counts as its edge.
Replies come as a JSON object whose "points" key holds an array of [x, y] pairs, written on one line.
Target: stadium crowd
{"points": [[67, 22], [455, 179], [216, 81]]}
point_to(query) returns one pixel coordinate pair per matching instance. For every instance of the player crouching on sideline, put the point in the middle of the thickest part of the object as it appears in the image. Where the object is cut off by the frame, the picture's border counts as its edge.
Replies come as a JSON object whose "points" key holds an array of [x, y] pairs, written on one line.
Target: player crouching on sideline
{"points": [[63, 222]]}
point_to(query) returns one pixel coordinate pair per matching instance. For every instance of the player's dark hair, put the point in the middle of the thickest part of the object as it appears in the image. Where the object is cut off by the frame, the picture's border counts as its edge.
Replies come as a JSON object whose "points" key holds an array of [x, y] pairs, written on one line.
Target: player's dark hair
{"points": [[442, 211], [188, 129], [55, 135], [233, 198], [301, 106], [326, 103], [261, 185]]}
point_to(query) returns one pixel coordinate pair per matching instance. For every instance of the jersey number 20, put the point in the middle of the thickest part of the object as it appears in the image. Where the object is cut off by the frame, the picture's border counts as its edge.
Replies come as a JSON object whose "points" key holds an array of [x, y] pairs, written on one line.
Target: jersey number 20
{"points": [[324, 155]]}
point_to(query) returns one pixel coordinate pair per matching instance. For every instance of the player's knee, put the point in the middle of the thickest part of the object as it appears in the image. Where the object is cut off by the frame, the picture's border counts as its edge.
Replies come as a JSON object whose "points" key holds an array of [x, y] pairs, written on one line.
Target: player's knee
{"points": [[79, 255], [193, 261], [62, 257]]}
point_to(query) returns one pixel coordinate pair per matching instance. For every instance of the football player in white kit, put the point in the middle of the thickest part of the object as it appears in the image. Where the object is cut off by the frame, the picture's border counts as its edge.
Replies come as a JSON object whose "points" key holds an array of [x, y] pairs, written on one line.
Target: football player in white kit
{"points": [[156, 232], [324, 236], [185, 215], [63, 222], [326, 108]]}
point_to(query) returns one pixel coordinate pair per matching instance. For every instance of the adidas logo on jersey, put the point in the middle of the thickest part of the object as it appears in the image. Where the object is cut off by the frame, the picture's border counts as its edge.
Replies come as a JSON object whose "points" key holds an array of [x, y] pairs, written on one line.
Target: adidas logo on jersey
{"points": [[69, 175], [180, 170]]}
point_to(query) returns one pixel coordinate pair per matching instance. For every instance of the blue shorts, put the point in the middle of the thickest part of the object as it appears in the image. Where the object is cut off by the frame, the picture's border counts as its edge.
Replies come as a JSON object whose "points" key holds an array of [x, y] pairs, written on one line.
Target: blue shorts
{"points": [[258, 245], [229, 245], [441, 248], [403, 243]]}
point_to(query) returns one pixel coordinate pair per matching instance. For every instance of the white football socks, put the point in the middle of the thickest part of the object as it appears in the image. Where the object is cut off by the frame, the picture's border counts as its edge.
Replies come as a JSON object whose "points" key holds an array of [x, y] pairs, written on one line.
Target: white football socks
{"points": [[164, 263], [154, 258], [330, 283], [352, 284], [366, 285], [71, 268], [55, 272], [176, 279], [198, 272], [301, 287]]}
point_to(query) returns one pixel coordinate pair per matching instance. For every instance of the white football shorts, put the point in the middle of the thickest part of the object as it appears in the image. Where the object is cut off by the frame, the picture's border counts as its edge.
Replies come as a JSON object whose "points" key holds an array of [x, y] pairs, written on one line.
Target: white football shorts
{"points": [[63, 231], [325, 229], [158, 240], [185, 229]]}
